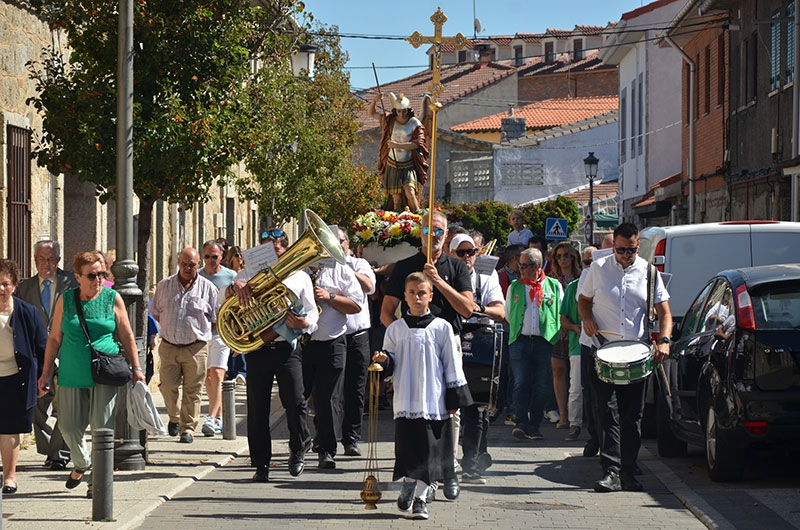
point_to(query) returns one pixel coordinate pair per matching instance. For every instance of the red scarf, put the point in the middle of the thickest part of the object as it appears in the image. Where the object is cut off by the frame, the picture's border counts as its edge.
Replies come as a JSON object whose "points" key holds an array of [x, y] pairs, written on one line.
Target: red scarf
{"points": [[536, 287]]}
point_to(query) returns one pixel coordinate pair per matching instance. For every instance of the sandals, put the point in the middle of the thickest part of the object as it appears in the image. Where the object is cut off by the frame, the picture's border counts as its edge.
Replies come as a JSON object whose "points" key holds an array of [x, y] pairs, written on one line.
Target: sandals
{"points": [[72, 483]]}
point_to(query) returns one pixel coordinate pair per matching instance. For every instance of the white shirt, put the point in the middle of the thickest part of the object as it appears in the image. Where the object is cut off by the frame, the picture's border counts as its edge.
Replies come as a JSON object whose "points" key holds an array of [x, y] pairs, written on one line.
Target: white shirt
{"points": [[620, 297], [490, 292], [519, 238], [341, 281], [530, 319], [361, 320], [300, 284]]}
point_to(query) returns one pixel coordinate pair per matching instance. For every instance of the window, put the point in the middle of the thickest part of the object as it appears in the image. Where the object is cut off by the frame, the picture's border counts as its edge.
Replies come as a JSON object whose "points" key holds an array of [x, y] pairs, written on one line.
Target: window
{"points": [[694, 315], [549, 52], [749, 70], [623, 121], [775, 52], [696, 101], [687, 79], [639, 140], [790, 43], [577, 49], [18, 153], [634, 121], [721, 69], [462, 56], [707, 82], [518, 57]]}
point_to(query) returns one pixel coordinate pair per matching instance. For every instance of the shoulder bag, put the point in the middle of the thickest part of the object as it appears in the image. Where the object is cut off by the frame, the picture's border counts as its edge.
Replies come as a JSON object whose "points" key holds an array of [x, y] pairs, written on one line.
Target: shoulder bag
{"points": [[107, 368]]}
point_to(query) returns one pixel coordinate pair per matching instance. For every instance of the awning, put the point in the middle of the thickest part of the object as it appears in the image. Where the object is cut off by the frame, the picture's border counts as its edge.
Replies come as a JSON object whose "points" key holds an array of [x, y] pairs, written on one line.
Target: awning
{"points": [[602, 220]]}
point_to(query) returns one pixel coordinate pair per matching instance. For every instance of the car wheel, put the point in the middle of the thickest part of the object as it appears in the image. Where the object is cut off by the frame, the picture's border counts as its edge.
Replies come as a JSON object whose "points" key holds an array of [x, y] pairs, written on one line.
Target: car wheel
{"points": [[669, 446], [724, 460]]}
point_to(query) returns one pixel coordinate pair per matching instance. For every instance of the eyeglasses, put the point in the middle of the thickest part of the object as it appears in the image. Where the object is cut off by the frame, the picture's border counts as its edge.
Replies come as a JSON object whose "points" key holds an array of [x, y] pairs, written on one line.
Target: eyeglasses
{"points": [[94, 275], [562, 256], [238, 256], [466, 252], [211, 256], [587, 261], [439, 232], [630, 250], [274, 234], [524, 266]]}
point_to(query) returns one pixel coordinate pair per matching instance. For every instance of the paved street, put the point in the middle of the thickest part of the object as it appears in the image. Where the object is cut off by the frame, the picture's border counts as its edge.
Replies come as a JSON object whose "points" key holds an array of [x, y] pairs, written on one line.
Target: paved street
{"points": [[531, 485]]}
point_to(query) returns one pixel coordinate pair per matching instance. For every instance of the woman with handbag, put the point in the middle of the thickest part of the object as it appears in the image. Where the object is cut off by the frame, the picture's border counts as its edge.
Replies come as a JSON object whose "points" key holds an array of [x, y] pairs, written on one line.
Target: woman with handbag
{"points": [[22, 342], [99, 312]]}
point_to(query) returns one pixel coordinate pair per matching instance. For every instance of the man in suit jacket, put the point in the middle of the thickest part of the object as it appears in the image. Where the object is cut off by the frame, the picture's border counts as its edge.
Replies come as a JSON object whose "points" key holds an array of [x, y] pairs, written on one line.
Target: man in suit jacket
{"points": [[42, 291]]}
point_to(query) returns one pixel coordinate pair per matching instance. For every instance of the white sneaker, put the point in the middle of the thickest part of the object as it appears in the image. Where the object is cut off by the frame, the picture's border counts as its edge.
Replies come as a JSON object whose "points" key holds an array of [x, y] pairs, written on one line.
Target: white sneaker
{"points": [[209, 427], [552, 415], [217, 425]]}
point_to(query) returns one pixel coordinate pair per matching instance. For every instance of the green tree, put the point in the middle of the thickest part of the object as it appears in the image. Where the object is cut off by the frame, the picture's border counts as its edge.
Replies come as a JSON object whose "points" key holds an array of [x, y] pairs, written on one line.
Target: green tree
{"points": [[299, 151], [191, 67], [536, 215], [487, 217]]}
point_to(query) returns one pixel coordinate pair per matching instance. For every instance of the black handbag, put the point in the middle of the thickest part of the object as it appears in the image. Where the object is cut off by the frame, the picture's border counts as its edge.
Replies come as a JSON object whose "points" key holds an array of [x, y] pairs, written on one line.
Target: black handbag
{"points": [[107, 368]]}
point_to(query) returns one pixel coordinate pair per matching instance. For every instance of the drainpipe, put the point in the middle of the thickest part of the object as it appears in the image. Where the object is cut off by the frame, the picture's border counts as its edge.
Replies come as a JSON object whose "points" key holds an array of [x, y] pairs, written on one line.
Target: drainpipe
{"points": [[690, 161], [795, 209]]}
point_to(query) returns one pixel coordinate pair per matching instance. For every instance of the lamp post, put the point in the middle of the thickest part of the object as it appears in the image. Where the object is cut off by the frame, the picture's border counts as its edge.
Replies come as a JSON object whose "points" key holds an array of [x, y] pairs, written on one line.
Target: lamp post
{"points": [[303, 60], [590, 164]]}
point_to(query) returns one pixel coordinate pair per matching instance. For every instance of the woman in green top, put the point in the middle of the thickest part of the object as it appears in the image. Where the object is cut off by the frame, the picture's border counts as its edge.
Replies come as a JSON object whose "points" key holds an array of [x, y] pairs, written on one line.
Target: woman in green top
{"points": [[81, 401]]}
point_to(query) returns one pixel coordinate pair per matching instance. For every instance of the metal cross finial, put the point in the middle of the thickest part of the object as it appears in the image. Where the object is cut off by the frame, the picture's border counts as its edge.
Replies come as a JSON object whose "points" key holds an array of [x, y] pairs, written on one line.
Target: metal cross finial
{"points": [[416, 39]]}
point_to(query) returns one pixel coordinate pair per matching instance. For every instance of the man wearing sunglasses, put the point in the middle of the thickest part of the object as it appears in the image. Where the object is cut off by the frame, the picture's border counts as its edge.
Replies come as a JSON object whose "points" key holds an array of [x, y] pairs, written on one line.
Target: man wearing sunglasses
{"points": [[613, 300], [488, 300], [218, 352], [452, 296]]}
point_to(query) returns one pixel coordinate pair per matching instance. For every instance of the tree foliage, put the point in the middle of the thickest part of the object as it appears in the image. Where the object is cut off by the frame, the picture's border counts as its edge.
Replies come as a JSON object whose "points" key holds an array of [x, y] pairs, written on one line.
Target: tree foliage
{"points": [[487, 217], [536, 215]]}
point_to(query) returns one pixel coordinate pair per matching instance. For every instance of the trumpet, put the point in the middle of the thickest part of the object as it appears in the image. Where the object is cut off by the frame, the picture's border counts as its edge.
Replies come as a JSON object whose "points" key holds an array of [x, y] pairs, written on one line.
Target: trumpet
{"points": [[488, 248]]}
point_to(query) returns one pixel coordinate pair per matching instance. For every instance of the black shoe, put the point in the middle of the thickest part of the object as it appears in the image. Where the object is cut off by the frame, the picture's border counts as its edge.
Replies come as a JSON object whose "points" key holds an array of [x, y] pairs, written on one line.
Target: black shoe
{"points": [[262, 474], [406, 496], [295, 468], [9, 489], [172, 429], [483, 462], [519, 433], [72, 483], [591, 449], [419, 510], [629, 483], [326, 461], [89, 493], [186, 438], [58, 465], [451, 488], [352, 450], [610, 482]]}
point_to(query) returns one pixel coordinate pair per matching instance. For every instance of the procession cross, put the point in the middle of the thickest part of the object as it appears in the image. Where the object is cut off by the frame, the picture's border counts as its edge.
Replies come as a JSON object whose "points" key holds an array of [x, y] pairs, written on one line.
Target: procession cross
{"points": [[459, 41]]}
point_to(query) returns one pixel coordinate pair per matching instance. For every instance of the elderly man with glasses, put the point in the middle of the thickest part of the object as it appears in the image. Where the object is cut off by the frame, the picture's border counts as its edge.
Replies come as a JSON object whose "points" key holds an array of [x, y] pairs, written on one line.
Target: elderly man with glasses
{"points": [[613, 300]]}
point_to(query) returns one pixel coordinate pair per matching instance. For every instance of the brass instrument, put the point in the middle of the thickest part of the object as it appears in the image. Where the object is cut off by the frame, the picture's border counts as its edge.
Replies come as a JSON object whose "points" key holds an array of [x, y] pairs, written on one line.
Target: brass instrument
{"points": [[241, 328], [488, 248]]}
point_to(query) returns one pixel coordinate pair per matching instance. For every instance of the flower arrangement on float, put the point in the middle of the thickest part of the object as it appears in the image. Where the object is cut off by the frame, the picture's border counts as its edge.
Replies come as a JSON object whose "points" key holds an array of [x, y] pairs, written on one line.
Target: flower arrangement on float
{"points": [[387, 236]]}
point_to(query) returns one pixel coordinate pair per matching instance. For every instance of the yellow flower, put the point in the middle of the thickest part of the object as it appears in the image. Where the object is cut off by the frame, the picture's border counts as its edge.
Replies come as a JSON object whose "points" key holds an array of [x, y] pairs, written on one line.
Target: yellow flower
{"points": [[396, 230], [416, 231], [366, 234]]}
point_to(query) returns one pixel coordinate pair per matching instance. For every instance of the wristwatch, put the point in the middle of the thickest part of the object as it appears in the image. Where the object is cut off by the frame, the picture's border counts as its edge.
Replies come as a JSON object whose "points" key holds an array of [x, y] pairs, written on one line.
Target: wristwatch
{"points": [[332, 296], [666, 340]]}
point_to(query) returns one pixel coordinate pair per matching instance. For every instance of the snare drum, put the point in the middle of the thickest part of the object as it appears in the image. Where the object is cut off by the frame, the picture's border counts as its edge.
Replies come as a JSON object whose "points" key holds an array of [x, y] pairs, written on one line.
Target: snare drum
{"points": [[623, 362]]}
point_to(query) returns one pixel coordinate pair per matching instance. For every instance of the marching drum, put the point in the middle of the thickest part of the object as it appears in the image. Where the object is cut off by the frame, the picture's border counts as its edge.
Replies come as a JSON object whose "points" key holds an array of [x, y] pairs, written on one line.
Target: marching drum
{"points": [[623, 362], [482, 350]]}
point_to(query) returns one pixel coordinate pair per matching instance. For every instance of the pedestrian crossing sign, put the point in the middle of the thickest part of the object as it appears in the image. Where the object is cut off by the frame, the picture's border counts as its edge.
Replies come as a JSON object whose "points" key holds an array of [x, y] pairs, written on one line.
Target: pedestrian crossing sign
{"points": [[555, 228]]}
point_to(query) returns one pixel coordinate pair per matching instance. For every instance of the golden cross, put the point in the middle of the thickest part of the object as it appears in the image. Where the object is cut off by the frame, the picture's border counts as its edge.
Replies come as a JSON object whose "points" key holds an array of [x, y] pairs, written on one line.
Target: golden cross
{"points": [[416, 40]]}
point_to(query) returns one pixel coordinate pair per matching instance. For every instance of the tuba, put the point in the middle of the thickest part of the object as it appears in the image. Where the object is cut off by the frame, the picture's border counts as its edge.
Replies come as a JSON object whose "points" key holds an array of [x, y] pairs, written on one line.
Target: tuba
{"points": [[241, 327]]}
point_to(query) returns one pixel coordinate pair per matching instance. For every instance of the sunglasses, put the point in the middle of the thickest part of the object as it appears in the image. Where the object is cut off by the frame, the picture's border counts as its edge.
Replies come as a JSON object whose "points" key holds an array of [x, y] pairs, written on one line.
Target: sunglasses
{"points": [[210, 256], [526, 265], [274, 234], [238, 256], [562, 256], [439, 232], [587, 261], [466, 252], [94, 275], [630, 250]]}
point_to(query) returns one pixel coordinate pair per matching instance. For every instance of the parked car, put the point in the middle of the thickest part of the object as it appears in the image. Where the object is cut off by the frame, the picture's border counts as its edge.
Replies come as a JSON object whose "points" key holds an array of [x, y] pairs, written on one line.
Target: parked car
{"points": [[734, 370]]}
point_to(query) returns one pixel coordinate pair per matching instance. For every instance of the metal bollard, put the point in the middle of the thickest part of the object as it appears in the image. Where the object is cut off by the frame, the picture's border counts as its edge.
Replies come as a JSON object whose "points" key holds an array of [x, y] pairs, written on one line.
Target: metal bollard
{"points": [[103, 475], [228, 410]]}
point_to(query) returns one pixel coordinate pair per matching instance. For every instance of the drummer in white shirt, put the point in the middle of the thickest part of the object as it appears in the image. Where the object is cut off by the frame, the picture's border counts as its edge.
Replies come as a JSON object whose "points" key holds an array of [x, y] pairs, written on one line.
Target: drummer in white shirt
{"points": [[613, 298]]}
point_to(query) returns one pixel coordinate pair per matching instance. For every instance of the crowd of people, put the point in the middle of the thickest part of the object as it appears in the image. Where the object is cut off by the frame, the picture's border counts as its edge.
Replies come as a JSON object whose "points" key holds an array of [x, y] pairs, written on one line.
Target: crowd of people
{"points": [[546, 310]]}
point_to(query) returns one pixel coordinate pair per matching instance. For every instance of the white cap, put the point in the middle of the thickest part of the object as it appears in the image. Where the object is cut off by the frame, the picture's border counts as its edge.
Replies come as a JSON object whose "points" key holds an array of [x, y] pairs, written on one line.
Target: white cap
{"points": [[461, 238]]}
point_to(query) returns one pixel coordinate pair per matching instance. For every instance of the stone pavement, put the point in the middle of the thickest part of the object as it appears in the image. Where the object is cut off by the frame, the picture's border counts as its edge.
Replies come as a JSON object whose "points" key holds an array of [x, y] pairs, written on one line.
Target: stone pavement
{"points": [[543, 484]]}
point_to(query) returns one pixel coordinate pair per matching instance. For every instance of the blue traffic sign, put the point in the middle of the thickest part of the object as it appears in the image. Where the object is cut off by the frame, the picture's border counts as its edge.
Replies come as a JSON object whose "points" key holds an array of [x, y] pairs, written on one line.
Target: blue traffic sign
{"points": [[555, 228]]}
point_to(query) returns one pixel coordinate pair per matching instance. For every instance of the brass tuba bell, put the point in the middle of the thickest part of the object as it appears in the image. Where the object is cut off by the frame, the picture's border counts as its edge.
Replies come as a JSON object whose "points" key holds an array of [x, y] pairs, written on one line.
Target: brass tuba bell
{"points": [[241, 327]]}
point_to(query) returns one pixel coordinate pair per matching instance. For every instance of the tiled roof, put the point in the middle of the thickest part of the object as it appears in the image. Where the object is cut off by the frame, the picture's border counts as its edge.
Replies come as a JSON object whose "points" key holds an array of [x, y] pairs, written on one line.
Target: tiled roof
{"points": [[601, 190], [558, 33], [588, 30], [540, 67], [545, 114], [568, 128], [652, 6], [459, 80]]}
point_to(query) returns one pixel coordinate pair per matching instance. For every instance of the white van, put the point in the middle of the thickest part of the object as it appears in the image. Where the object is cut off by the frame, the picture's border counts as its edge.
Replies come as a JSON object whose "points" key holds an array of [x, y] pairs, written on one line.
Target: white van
{"points": [[694, 253]]}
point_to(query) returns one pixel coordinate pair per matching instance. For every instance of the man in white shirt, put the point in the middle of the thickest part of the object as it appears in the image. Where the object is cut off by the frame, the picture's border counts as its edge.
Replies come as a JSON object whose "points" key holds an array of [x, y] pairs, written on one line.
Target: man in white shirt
{"points": [[613, 299], [339, 294]]}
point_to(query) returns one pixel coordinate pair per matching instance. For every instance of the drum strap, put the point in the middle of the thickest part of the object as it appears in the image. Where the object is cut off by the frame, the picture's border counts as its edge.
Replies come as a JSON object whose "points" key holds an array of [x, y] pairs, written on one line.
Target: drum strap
{"points": [[651, 295]]}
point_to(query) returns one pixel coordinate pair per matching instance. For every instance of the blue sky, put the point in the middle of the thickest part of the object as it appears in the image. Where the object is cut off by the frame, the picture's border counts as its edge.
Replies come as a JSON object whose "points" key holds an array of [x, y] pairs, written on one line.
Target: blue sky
{"points": [[401, 19]]}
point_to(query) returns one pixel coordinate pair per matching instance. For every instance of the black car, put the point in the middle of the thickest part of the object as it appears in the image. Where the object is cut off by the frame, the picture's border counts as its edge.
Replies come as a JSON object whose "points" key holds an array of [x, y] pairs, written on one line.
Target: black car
{"points": [[734, 370]]}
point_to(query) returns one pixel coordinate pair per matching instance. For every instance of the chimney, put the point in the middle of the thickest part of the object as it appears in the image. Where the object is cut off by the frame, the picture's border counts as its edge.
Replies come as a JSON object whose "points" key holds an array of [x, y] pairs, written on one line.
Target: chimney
{"points": [[511, 128], [484, 53]]}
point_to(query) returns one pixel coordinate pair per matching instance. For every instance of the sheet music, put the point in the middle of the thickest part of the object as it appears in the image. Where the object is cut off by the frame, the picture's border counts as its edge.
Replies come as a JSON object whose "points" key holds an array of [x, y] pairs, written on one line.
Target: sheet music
{"points": [[259, 258], [486, 264]]}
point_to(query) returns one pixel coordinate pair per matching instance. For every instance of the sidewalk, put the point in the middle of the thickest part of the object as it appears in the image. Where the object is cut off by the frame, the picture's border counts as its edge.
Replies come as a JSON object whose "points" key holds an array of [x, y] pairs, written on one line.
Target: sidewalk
{"points": [[42, 501]]}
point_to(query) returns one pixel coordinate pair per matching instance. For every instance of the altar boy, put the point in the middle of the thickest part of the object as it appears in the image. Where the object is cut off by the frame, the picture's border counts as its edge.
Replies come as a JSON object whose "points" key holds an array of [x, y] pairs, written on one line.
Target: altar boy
{"points": [[429, 385]]}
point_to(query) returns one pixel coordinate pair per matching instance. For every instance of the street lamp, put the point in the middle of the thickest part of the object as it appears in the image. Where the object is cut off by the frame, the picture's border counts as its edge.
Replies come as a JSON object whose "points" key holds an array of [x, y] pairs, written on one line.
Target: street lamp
{"points": [[303, 60], [590, 164]]}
